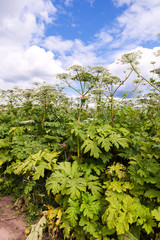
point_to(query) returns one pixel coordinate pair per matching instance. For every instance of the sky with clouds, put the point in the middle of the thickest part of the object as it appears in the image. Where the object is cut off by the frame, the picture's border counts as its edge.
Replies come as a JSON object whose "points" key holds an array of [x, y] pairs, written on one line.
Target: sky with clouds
{"points": [[40, 38]]}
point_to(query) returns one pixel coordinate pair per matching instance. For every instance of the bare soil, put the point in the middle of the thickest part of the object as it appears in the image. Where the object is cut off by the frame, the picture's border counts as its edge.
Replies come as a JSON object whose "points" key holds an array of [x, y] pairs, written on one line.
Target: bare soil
{"points": [[12, 225]]}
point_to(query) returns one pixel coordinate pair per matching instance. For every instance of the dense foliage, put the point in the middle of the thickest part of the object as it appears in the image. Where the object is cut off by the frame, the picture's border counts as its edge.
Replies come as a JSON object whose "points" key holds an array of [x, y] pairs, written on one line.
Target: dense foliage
{"points": [[91, 172]]}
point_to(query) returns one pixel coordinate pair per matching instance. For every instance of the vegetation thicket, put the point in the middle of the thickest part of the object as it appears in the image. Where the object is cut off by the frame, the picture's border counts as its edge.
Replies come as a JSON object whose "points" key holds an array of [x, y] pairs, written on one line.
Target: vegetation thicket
{"points": [[88, 169]]}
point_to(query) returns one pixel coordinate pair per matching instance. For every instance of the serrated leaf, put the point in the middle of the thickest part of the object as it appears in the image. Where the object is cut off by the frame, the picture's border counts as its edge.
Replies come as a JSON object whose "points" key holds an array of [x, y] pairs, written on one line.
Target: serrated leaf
{"points": [[109, 216], [117, 140], [119, 186], [119, 170], [94, 185], [66, 228], [122, 224], [91, 146], [72, 212], [67, 180], [52, 212], [90, 205], [153, 193], [89, 226], [156, 214], [75, 187], [106, 157], [148, 226], [105, 143], [39, 170], [106, 231], [124, 131]]}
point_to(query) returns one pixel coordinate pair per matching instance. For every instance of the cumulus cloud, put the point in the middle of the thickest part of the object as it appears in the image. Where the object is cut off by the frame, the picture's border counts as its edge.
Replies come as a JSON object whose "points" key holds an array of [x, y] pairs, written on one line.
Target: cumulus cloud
{"points": [[22, 25], [103, 37], [72, 51], [29, 65], [138, 23], [28, 55], [18, 20], [56, 43]]}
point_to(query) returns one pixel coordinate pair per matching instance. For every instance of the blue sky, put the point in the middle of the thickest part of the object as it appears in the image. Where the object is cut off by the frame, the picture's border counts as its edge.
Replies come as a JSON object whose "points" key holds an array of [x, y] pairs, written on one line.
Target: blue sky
{"points": [[82, 19], [40, 38]]}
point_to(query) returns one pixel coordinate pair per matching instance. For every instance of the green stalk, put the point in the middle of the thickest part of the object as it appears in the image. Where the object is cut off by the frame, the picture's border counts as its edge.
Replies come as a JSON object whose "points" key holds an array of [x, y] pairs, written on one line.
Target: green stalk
{"points": [[78, 147], [111, 100], [139, 75], [44, 115]]}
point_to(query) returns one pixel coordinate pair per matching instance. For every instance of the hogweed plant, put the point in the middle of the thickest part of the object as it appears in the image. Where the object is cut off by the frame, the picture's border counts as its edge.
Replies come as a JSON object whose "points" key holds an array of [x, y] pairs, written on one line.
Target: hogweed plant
{"points": [[86, 177]]}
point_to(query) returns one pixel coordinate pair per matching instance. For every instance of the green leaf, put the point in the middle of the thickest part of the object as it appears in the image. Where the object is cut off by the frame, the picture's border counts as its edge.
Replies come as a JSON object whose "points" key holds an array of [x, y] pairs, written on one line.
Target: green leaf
{"points": [[128, 207], [66, 227], [112, 215], [72, 212], [106, 157], [156, 214], [94, 185], [119, 170], [122, 224], [91, 146], [4, 143], [105, 143], [124, 131], [89, 226], [148, 226], [39, 170], [117, 140], [153, 193], [106, 231], [119, 186], [75, 187], [90, 205], [67, 180]]}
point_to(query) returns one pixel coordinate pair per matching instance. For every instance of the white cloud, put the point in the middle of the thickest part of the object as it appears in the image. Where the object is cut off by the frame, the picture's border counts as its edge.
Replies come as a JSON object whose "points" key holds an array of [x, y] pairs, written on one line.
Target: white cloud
{"points": [[68, 2], [18, 20], [72, 51], [103, 37], [56, 43], [120, 3], [29, 65], [22, 24], [16, 8], [139, 22], [15, 32]]}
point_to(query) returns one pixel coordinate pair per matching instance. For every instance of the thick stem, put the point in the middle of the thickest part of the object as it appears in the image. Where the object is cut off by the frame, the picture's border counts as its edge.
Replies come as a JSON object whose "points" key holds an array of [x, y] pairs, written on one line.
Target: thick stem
{"points": [[111, 100], [112, 116], [78, 147], [79, 113]]}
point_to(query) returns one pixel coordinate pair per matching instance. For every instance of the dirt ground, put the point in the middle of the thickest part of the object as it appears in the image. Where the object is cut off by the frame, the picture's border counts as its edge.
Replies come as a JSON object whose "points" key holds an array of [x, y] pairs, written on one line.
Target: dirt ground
{"points": [[12, 225]]}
